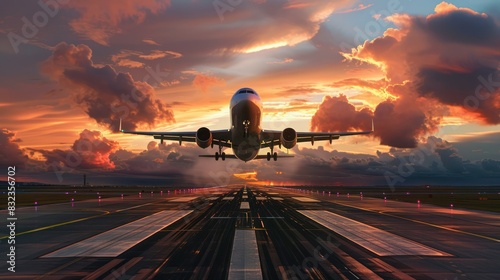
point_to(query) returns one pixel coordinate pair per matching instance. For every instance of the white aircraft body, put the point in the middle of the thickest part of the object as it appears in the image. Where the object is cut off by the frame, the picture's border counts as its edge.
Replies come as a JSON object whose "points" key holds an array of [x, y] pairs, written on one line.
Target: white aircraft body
{"points": [[246, 136]]}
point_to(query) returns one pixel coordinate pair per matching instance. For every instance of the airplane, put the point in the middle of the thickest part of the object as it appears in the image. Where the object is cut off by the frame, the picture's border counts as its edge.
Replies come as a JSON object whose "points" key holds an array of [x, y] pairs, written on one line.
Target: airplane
{"points": [[246, 137]]}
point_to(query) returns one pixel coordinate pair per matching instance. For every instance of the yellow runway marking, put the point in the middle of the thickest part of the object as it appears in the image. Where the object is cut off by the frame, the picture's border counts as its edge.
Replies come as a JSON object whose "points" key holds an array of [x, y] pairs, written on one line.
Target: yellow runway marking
{"points": [[77, 220], [56, 225]]}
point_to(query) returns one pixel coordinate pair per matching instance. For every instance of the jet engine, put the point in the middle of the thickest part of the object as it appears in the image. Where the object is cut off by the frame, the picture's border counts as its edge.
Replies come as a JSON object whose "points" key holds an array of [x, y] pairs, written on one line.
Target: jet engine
{"points": [[204, 137], [288, 138]]}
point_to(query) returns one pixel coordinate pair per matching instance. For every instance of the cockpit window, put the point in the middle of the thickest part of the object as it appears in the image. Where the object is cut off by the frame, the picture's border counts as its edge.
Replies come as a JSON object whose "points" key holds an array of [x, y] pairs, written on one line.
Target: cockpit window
{"points": [[246, 91]]}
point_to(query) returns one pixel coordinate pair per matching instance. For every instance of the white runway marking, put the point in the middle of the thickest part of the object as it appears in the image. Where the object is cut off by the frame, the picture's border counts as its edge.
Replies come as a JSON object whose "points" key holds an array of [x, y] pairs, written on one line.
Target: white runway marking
{"points": [[228, 198], [261, 198], [183, 199], [304, 199], [245, 263], [277, 198], [378, 241], [245, 206], [116, 241]]}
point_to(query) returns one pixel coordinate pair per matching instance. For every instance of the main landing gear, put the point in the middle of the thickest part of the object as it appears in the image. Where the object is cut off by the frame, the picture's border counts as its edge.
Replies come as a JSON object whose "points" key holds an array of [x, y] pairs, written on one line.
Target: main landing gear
{"points": [[274, 155], [221, 155]]}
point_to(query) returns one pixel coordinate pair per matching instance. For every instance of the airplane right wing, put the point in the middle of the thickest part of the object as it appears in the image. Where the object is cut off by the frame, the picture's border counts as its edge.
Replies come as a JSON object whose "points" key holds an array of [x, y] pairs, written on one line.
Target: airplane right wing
{"points": [[220, 137]]}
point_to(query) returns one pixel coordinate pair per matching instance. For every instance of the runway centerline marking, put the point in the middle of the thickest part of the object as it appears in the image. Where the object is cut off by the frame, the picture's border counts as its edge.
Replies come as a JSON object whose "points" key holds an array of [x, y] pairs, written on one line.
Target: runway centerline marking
{"points": [[245, 206], [378, 241], [245, 262], [116, 241]]}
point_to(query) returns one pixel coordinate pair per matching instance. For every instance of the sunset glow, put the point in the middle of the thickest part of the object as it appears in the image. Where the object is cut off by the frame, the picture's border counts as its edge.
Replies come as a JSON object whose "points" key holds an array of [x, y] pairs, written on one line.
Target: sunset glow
{"points": [[426, 73]]}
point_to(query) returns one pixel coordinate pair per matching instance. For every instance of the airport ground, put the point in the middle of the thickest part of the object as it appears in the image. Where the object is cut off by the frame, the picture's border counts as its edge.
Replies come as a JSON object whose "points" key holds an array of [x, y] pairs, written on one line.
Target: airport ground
{"points": [[255, 232]]}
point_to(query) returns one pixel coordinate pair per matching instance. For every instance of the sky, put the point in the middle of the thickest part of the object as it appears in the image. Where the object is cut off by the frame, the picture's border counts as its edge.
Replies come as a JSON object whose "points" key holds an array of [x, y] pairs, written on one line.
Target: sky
{"points": [[426, 73]]}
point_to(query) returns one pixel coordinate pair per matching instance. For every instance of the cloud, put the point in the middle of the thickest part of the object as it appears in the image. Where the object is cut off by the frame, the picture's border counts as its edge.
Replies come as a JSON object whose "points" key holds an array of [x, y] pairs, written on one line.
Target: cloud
{"points": [[432, 161], [450, 57], [104, 94], [128, 58], [398, 123], [203, 82], [401, 123], [304, 89], [286, 60], [337, 114], [99, 20], [10, 153], [360, 7], [150, 42], [90, 151], [103, 160]]}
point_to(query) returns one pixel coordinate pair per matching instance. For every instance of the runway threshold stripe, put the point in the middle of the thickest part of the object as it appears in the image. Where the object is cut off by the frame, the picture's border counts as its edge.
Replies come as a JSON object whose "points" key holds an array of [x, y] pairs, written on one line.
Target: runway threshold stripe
{"points": [[183, 199], [116, 241], [305, 199], [245, 262], [378, 241]]}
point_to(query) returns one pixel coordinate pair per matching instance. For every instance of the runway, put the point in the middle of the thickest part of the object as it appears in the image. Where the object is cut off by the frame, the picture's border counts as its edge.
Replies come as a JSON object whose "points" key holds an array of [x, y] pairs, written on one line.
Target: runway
{"points": [[250, 232]]}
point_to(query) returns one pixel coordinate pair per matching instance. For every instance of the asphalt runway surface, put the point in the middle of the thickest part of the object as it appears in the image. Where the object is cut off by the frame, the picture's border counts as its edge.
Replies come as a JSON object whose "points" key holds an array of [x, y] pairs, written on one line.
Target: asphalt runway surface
{"points": [[250, 232]]}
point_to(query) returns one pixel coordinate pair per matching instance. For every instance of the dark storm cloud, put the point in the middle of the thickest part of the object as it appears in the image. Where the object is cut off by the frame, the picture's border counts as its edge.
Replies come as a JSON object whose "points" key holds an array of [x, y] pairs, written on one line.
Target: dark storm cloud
{"points": [[104, 94], [450, 57], [431, 161], [10, 152], [462, 26]]}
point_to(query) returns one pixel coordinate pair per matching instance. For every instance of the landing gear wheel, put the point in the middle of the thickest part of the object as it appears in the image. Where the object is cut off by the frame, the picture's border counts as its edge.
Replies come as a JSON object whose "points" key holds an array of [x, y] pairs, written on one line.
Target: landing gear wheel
{"points": [[268, 156], [275, 156], [216, 156], [223, 156]]}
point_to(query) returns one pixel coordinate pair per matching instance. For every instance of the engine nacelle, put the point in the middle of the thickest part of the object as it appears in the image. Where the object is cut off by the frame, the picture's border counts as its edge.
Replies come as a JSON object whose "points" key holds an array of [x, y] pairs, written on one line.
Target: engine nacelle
{"points": [[203, 137], [288, 138]]}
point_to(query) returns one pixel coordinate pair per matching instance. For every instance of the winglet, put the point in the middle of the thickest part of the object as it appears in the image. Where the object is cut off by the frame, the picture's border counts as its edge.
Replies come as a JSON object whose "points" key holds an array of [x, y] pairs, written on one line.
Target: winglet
{"points": [[120, 129], [373, 126]]}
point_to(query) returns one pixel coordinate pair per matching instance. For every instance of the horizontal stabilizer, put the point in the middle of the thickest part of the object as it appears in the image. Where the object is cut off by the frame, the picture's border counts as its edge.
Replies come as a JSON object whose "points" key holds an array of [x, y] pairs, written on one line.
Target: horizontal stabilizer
{"points": [[213, 156], [265, 157]]}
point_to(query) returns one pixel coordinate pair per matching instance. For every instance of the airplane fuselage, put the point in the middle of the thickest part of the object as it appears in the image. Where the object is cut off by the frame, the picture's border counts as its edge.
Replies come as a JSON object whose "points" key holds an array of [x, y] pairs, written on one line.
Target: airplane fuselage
{"points": [[246, 113]]}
